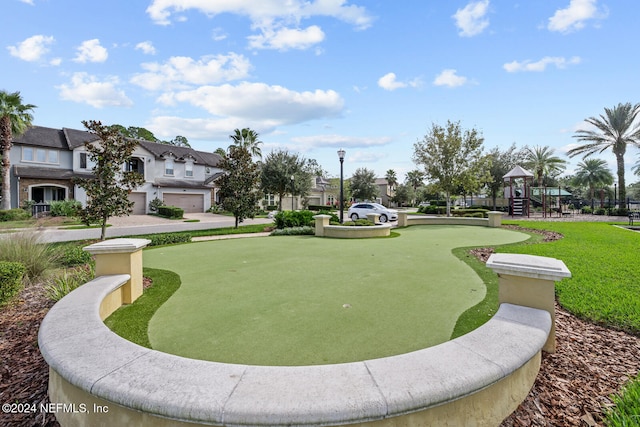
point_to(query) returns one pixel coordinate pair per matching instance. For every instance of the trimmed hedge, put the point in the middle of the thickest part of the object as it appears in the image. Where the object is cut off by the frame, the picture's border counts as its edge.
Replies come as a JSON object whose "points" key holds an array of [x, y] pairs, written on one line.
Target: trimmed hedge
{"points": [[172, 212], [10, 279], [16, 214], [285, 219], [476, 213], [168, 239]]}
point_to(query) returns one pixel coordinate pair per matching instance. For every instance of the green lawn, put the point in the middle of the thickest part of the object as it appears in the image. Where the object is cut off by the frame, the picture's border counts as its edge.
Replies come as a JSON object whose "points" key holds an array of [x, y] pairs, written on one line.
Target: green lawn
{"points": [[304, 300]]}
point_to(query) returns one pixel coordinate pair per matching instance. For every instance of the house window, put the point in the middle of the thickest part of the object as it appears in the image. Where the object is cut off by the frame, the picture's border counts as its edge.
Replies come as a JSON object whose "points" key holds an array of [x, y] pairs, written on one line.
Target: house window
{"points": [[83, 160], [331, 200], [168, 167], [269, 199], [188, 168], [27, 154], [41, 155], [135, 164], [52, 156]]}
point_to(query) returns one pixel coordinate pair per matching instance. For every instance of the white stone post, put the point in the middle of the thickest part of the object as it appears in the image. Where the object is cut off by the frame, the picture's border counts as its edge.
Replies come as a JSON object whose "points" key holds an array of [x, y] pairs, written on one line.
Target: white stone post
{"points": [[403, 220], [373, 217], [529, 280], [321, 222], [495, 218]]}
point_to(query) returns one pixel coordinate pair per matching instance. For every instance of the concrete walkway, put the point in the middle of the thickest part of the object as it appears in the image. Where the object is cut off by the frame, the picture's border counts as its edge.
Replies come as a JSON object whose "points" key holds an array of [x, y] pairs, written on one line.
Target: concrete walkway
{"points": [[142, 224]]}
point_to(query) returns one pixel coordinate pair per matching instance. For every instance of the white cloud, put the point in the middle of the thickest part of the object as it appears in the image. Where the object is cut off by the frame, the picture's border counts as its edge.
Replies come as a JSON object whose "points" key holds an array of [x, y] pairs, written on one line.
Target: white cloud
{"points": [[181, 72], [449, 78], [91, 51], [287, 38], [340, 141], [365, 157], [87, 89], [574, 16], [389, 82], [218, 34], [541, 65], [200, 128], [29, 2], [272, 105], [146, 47], [276, 20], [471, 20], [32, 48]]}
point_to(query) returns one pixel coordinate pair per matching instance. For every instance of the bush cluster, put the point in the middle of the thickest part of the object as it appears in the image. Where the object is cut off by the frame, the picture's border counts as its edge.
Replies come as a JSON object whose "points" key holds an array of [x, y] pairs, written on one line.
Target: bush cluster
{"points": [[286, 219], [65, 208], [172, 212], [68, 281], [10, 280], [74, 255], [168, 239], [294, 231], [358, 223], [27, 249], [16, 214], [155, 204]]}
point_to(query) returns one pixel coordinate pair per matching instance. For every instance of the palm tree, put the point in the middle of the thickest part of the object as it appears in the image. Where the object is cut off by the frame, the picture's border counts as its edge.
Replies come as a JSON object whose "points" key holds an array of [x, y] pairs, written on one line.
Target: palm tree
{"points": [[414, 178], [247, 139], [392, 178], [542, 161], [15, 119], [593, 173], [616, 129]]}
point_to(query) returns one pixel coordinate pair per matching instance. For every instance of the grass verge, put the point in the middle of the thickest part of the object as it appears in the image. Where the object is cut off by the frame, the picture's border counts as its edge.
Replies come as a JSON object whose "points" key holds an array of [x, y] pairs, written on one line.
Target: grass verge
{"points": [[131, 321], [626, 413]]}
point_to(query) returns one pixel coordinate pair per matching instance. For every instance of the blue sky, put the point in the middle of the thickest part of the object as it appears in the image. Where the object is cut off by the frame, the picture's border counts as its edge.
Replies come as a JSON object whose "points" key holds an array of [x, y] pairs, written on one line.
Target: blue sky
{"points": [[313, 76]]}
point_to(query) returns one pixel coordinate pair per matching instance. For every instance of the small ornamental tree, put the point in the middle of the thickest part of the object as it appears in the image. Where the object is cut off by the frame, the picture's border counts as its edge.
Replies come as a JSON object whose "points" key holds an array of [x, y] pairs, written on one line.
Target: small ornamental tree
{"points": [[108, 191], [239, 185]]}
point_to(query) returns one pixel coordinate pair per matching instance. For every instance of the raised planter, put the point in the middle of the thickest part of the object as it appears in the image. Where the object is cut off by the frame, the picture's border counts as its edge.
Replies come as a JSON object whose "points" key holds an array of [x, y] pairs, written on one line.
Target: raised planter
{"points": [[323, 229]]}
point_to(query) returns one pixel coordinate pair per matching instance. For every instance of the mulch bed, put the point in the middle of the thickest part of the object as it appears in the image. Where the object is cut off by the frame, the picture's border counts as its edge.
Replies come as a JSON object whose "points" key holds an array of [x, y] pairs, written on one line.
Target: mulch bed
{"points": [[572, 388]]}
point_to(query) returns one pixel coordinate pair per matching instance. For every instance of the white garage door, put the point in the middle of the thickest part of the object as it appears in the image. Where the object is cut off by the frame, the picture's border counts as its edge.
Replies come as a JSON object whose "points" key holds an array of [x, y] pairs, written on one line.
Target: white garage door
{"points": [[191, 203], [139, 203]]}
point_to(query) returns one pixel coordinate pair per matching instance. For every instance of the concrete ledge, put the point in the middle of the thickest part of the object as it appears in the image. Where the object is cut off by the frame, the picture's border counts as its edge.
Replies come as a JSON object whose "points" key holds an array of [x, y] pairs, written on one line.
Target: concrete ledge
{"points": [[495, 364], [444, 220], [357, 232]]}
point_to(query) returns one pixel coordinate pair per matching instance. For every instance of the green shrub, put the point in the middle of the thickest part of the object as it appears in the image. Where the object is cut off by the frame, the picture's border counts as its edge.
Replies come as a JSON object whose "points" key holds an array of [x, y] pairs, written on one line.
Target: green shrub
{"points": [[620, 212], [286, 219], [470, 212], [65, 208], [359, 223], [600, 211], [294, 231], [74, 255], [68, 281], [26, 249], [586, 210], [16, 214], [474, 215], [334, 217], [10, 280], [155, 204], [172, 212], [168, 239]]}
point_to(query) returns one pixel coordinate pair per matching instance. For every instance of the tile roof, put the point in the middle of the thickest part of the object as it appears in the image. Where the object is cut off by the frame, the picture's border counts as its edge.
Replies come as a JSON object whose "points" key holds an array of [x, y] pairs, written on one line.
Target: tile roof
{"points": [[47, 173], [42, 137]]}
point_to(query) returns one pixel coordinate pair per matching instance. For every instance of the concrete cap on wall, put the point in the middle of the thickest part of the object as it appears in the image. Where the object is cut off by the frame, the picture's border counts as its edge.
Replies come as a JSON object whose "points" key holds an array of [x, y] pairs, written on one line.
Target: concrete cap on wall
{"points": [[537, 267]]}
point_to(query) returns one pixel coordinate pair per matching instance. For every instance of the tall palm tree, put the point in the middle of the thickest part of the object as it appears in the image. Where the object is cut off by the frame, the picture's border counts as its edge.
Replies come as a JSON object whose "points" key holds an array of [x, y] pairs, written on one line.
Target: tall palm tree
{"points": [[616, 130], [593, 173], [542, 161], [414, 178], [248, 139], [15, 119], [392, 178]]}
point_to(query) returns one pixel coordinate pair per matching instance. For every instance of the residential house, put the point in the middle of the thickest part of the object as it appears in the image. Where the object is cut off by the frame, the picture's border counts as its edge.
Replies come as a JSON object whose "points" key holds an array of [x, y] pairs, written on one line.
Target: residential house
{"points": [[45, 161], [385, 192]]}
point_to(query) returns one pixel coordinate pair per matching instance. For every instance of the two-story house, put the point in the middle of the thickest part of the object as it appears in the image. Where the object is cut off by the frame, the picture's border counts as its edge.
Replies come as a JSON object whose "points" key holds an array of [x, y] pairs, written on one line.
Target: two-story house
{"points": [[45, 161]]}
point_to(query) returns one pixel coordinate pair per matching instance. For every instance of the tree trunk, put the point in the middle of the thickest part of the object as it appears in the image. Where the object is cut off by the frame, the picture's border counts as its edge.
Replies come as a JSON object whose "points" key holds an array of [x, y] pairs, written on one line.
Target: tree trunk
{"points": [[5, 145], [448, 204], [103, 233], [622, 192], [236, 222]]}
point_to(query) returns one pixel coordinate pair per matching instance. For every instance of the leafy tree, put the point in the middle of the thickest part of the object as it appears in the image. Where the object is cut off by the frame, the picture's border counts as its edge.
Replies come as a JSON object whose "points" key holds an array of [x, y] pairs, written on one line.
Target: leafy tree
{"points": [[180, 141], [452, 158], [542, 162], [247, 139], [415, 179], [314, 168], [220, 151], [615, 130], [15, 119], [108, 191], [404, 194], [278, 168], [238, 186], [634, 191], [363, 184], [146, 135], [501, 163], [593, 173]]}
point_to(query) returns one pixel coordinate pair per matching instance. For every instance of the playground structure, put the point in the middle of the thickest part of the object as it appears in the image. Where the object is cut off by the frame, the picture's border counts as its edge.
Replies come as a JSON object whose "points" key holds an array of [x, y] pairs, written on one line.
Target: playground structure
{"points": [[519, 191]]}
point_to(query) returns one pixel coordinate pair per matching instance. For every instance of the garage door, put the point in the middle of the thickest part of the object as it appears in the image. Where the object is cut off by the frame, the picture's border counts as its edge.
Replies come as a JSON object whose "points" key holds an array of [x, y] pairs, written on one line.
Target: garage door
{"points": [[139, 203], [191, 203]]}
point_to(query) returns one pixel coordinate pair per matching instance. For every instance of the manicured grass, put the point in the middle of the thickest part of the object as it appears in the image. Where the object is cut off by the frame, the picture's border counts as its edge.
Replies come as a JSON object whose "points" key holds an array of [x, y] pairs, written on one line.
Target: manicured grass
{"points": [[131, 321], [626, 413], [304, 300], [603, 260]]}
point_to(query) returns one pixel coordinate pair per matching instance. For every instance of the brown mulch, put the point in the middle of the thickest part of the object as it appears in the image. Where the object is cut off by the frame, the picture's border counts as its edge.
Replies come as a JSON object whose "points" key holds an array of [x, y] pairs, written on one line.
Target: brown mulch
{"points": [[572, 388]]}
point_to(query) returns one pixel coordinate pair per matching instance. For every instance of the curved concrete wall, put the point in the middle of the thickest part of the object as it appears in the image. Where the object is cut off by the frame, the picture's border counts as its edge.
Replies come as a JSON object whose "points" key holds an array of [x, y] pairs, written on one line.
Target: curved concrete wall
{"points": [[477, 379]]}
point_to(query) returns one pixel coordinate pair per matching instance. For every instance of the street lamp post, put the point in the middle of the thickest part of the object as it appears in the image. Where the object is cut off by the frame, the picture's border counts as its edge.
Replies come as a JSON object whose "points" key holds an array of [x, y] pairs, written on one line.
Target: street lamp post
{"points": [[292, 191], [341, 154]]}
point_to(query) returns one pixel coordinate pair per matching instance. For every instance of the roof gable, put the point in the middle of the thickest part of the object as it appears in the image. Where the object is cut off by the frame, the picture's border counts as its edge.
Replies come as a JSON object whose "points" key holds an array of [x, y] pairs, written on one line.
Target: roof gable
{"points": [[40, 136]]}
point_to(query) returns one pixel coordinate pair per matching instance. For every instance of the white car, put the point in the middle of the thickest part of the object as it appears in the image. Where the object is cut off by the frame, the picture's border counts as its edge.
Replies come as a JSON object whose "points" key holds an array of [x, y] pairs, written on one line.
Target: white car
{"points": [[360, 211]]}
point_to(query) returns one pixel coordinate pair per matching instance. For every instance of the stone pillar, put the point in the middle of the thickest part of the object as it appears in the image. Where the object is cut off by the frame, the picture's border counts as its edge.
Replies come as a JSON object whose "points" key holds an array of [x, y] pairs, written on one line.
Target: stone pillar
{"points": [[121, 256], [321, 222], [373, 217], [495, 219], [403, 220], [529, 280]]}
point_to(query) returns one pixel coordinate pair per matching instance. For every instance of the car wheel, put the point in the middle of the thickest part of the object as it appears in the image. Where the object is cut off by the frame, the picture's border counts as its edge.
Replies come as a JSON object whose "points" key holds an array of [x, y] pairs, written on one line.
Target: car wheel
{"points": [[354, 217], [383, 218]]}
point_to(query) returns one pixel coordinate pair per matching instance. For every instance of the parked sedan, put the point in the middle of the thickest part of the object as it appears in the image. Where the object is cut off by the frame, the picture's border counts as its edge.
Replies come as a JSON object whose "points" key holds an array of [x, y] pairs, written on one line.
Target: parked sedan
{"points": [[360, 211]]}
